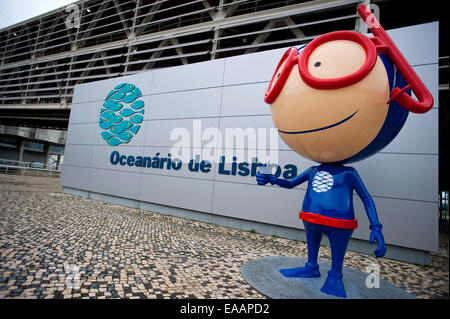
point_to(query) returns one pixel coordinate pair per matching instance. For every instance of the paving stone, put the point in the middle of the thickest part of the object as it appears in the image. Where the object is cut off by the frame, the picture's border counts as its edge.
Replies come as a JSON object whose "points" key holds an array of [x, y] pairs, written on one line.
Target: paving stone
{"points": [[51, 240]]}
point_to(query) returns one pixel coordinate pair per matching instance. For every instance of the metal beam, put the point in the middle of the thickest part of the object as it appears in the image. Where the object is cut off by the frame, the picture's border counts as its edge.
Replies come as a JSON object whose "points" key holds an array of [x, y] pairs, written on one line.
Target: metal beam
{"points": [[31, 106], [91, 24], [148, 17], [262, 37]]}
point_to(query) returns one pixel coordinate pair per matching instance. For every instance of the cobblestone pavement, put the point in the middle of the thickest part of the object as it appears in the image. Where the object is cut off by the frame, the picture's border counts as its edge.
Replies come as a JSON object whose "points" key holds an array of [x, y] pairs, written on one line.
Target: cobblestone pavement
{"points": [[55, 245]]}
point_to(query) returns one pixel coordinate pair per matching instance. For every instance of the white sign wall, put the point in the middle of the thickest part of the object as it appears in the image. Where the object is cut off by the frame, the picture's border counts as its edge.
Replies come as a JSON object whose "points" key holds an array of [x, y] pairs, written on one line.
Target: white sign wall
{"points": [[228, 93]]}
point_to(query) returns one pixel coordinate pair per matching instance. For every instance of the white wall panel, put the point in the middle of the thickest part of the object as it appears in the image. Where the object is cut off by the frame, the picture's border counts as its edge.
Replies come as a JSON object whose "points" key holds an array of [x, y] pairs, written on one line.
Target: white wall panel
{"points": [[116, 183], [273, 205], [419, 43], [403, 176], [75, 177], [181, 192], [249, 68], [78, 155], [188, 77], [81, 133], [88, 112], [159, 131], [429, 74], [186, 104], [258, 122], [239, 100], [423, 129], [406, 223], [85, 92]]}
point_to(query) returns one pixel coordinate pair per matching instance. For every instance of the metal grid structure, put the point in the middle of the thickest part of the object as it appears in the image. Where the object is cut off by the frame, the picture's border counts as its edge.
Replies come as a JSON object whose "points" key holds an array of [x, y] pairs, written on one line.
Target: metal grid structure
{"points": [[42, 59]]}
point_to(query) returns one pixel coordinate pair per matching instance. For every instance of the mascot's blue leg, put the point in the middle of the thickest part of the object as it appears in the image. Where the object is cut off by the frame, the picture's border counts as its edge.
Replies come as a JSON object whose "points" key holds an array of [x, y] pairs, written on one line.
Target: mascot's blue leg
{"points": [[311, 269], [339, 239]]}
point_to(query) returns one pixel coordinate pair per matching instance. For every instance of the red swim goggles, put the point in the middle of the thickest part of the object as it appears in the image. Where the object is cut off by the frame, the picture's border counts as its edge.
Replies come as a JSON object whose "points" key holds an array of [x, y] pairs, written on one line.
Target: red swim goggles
{"points": [[381, 43]]}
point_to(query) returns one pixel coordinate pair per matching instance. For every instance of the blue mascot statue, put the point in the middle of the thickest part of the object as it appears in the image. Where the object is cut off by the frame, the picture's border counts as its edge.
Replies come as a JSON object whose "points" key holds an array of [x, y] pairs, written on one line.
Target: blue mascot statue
{"points": [[340, 99]]}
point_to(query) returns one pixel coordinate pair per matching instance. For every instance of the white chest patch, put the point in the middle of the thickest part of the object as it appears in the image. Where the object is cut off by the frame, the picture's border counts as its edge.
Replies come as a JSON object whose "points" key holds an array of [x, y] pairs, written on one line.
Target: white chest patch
{"points": [[322, 182]]}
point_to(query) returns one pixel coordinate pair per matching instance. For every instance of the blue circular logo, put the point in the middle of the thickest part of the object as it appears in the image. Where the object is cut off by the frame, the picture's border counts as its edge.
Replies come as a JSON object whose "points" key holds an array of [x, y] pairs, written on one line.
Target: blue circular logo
{"points": [[121, 114]]}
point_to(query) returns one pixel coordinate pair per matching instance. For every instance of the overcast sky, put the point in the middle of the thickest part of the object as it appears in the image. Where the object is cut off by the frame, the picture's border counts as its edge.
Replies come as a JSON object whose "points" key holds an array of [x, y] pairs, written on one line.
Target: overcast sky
{"points": [[14, 11]]}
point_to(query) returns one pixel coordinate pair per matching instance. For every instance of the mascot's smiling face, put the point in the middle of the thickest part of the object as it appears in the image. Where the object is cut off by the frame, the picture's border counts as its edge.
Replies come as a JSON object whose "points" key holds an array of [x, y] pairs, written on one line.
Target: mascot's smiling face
{"points": [[332, 125]]}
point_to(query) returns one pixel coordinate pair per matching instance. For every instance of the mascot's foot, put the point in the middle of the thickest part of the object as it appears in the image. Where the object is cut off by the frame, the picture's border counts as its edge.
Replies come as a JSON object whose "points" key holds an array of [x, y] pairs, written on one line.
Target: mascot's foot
{"points": [[308, 271], [334, 285]]}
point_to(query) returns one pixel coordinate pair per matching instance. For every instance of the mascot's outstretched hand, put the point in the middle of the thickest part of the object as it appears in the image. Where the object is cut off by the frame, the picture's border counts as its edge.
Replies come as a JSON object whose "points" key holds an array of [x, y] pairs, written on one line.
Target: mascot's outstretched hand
{"points": [[377, 235], [263, 179]]}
